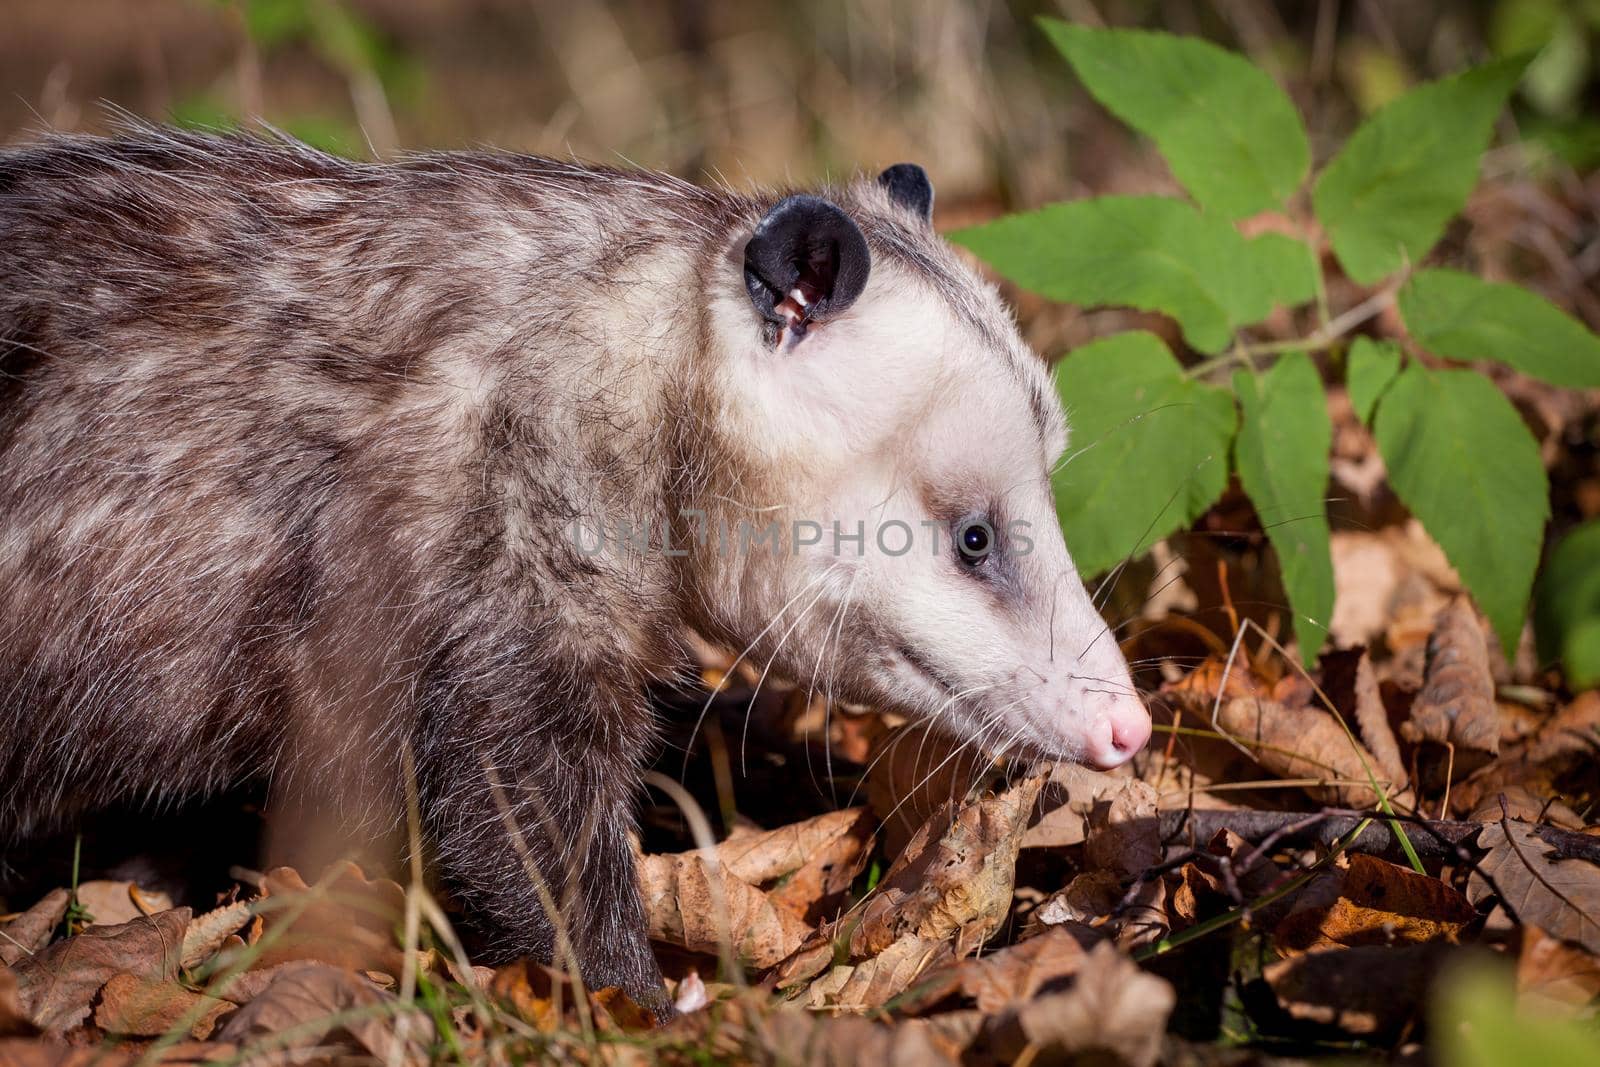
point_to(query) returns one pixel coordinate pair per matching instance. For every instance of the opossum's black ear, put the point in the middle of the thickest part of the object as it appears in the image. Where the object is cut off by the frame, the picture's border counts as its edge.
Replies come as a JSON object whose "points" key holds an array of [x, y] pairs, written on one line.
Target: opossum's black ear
{"points": [[909, 187], [805, 262]]}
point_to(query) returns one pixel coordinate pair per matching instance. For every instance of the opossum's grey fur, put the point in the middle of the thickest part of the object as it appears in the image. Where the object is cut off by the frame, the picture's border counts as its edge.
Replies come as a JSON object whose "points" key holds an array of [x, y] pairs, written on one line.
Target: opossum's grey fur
{"points": [[288, 445]]}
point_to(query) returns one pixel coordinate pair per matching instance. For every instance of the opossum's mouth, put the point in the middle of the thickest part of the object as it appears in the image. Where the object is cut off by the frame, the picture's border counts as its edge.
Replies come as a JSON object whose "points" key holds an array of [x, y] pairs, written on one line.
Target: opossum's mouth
{"points": [[918, 663]]}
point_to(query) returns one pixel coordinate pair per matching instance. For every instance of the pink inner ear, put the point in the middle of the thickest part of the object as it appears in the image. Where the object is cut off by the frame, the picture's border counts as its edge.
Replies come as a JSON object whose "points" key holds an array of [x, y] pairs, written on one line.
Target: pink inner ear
{"points": [[797, 304]]}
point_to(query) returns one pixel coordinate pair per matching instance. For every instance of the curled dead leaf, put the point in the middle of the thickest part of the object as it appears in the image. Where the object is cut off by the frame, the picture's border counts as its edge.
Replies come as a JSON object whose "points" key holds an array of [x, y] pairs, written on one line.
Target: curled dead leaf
{"points": [[1305, 743], [699, 905], [30, 931], [1456, 708], [207, 933]]}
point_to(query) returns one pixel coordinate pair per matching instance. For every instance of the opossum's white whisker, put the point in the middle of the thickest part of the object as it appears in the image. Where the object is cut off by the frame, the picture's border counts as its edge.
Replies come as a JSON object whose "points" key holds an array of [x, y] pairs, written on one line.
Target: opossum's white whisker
{"points": [[712, 696], [750, 706]]}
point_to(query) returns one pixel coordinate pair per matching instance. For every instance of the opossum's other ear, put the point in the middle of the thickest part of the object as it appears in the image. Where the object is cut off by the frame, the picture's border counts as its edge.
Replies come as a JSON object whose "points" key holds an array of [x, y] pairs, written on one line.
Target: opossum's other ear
{"points": [[805, 261], [909, 187]]}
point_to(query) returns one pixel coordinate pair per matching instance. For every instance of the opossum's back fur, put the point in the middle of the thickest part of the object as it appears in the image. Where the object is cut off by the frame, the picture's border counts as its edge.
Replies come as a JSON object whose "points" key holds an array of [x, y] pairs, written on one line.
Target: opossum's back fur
{"points": [[282, 434]]}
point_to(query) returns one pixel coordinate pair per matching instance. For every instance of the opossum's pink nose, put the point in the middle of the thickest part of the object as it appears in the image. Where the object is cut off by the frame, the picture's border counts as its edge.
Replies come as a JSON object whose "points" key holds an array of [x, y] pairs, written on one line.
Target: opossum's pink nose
{"points": [[1121, 731]]}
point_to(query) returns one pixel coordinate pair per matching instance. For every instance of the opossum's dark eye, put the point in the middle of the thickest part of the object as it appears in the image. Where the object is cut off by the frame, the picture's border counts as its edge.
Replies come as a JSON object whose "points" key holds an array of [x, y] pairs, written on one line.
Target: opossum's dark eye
{"points": [[974, 541]]}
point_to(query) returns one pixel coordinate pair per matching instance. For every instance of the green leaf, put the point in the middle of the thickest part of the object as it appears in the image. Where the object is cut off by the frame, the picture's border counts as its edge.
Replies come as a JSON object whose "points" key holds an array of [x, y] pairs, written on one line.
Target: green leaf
{"points": [[1287, 268], [1149, 448], [1148, 252], [1478, 1025], [1282, 458], [1566, 614], [1230, 134], [1461, 317], [1461, 459], [1372, 366], [1385, 198]]}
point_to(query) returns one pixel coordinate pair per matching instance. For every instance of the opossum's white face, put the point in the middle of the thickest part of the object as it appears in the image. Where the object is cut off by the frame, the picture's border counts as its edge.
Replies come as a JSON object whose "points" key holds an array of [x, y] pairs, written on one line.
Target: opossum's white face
{"points": [[907, 441]]}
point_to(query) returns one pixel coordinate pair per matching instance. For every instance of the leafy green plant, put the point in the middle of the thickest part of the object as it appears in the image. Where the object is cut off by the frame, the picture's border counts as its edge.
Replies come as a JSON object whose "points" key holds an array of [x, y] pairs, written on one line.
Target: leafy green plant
{"points": [[1155, 440]]}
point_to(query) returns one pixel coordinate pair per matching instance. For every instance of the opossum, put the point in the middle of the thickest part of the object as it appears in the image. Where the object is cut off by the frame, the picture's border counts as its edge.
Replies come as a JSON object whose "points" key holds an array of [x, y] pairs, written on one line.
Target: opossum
{"points": [[333, 474]]}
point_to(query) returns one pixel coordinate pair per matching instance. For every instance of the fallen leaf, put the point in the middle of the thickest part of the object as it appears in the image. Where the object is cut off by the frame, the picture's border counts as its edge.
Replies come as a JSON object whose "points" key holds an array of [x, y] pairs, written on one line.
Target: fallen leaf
{"points": [[139, 1007], [1559, 755], [30, 931], [1093, 905], [953, 880], [23, 1052], [1378, 903], [1306, 743], [768, 855], [346, 920], [1456, 707], [814, 890], [874, 982], [1112, 1008], [310, 1004], [700, 905], [58, 984], [1556, 974], [1007, 976], [1367, 990], [14, 1020], [209, 932], [1560, 896], [115, 903]]}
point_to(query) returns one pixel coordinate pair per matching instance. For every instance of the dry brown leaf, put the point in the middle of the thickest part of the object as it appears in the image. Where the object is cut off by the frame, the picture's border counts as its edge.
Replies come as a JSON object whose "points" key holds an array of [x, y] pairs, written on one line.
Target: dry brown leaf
{"points": [[831, 850], [30, 931], [1552, 973], [42, 1052], [1371, 989], [953, 880], [1113, 1007], [874, 982], [768, 855], [914, 774], [346, 920], [139, 1007], [698, 905], [1092, 906], [1379, 903], [1561, 897], [1562, 749], [1456, 707], [14, 1020], [1114, 813], [58, 984], [298, 1010], [207, 933], [812, 1040], [115, 903], [1007, 976], [1306, 742], [1372, 721]]}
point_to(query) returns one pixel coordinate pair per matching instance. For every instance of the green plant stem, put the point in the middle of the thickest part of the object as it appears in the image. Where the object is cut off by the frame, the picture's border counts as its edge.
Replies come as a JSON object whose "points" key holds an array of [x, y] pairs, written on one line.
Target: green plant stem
{"points": [[1315, 342]]}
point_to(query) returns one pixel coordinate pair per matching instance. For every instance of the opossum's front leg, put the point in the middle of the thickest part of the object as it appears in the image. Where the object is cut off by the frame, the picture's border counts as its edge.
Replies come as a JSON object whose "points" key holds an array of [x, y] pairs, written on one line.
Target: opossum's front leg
{"points": [[532, 821]]}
